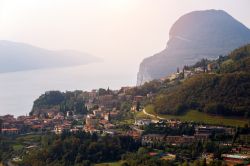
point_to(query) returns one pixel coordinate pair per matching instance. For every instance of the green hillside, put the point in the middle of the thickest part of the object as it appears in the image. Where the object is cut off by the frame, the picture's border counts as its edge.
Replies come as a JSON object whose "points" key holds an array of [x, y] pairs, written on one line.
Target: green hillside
{"points": [[60, 101], [200, 117], [224, 91]]}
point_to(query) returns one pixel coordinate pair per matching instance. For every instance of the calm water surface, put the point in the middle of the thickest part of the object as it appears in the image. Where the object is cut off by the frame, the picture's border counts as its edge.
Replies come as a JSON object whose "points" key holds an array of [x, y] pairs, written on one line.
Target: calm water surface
{"points": [[18, 90]]}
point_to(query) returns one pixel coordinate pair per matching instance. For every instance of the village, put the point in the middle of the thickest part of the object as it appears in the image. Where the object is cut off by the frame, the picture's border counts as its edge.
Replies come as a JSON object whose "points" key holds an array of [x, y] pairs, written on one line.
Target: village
{"points": [[113, 112]]}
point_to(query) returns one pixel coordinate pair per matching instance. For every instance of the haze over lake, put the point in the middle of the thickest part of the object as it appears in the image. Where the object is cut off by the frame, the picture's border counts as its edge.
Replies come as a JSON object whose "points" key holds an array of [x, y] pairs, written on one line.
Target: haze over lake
{"points": [[20, 89]]}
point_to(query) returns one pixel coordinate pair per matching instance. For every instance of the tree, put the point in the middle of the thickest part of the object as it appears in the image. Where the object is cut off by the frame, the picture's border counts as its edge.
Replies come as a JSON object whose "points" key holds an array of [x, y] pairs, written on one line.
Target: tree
{"points": [[138, 106], [1, 124], [142, 151], [203, 162]]}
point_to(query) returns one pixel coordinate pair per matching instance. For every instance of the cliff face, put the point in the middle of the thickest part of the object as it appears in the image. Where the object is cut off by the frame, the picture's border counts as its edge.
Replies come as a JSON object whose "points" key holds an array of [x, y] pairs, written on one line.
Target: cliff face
{"points": [[196, 35]]}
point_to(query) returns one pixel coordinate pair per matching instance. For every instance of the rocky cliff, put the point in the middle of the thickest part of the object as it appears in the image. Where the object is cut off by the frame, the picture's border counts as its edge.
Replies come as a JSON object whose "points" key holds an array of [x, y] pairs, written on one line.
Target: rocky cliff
{"points": [[196, 35]]}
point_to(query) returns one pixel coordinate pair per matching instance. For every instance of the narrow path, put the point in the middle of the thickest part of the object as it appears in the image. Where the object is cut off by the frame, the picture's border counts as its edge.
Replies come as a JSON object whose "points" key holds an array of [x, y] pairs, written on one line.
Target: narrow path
{"points": [[135, 128], [154, 116], [9, 163]]}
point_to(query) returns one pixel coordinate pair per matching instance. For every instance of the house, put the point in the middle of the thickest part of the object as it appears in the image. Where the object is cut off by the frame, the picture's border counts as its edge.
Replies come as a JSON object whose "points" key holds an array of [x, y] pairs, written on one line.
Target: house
{"points": [[188, 73], [242, 149], [51, 113], [106, 116], [74, 130], [173, 123], [142, 122], [8, 118], [58, 129], [128, 97], [10, 131], [92, 121], [173, 76], [103, 122], [121, 96], [89, 105], [113, 114], [109, 132], [138, 98], [213, 66], [210, 129], [109, 126], [152, 139], [169, 157], [59, 116], [199, 69], [179, 139], [108, 101], [233, 159], [174, 140], [201, 137], [69, 113], [91, 130], [208, 156], [125, 89], [37, 127], [133, 133], [98, 113], [93, 94]]}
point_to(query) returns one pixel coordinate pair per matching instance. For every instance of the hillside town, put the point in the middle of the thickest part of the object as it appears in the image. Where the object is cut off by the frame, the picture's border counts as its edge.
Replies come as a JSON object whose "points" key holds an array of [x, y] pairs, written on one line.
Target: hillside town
{"points": [[114, 113], [101, 106]]}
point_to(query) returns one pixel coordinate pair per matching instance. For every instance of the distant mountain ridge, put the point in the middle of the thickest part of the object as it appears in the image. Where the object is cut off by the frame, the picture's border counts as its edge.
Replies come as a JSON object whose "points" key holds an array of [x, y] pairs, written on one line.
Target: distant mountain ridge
{"points": [[19, 56], [196, 35]]}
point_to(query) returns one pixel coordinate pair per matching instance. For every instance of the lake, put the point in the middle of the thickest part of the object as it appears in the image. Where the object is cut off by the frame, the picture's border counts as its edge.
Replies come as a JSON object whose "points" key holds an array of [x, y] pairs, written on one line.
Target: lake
{"points": [[18, 90]]}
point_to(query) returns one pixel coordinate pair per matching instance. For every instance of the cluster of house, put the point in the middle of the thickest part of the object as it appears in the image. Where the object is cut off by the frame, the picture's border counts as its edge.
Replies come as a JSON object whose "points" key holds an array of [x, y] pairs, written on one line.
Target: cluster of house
{"points": [[109, 100], [99, 121], [102, 108], [202, 133], [105, 109], [239, 154], [186, 72], [26, 124]]}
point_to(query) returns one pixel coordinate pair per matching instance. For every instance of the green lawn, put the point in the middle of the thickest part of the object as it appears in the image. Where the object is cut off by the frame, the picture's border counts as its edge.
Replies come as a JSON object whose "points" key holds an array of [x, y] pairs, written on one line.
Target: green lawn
{"points": [[127, 121], [141, 115], [17, 147], [117, 163], [196, 116], [30, 138]]}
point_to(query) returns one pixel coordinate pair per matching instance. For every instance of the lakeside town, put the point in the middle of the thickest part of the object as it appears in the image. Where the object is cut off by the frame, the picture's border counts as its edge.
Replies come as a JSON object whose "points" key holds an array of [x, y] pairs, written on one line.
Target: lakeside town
{"points": [[123, 113]]}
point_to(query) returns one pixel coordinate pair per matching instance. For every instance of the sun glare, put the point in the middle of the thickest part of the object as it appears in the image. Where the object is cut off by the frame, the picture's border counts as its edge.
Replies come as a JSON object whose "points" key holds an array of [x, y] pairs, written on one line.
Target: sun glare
{"points": [[118, 4]]}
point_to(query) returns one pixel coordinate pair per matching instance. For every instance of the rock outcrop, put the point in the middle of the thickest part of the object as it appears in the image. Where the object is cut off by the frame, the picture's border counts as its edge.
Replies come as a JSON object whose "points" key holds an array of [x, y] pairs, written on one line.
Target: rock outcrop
{"points": [[196, 35]]}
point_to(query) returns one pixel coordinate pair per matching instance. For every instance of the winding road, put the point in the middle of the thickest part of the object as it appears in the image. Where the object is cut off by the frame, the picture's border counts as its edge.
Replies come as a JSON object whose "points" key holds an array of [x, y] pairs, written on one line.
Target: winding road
{"points": [[154, 116]]}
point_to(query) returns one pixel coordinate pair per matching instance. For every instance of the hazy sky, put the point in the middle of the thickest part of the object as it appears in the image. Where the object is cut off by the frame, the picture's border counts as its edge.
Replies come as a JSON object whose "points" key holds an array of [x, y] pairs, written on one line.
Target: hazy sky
{"points": [[123, 30]]}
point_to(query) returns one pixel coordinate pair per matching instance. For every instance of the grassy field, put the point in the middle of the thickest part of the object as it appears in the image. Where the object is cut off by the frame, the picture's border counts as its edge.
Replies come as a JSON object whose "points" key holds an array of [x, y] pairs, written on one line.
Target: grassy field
{"points": [[127, 121], [17, 147], [118, 163], [196, 116], [142, 115], [30, 138]]}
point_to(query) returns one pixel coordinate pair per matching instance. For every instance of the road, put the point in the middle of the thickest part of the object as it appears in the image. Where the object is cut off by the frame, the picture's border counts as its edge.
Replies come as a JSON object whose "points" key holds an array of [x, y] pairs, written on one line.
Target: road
{"points": [[154, 116], [9, 163], [135, 128]]}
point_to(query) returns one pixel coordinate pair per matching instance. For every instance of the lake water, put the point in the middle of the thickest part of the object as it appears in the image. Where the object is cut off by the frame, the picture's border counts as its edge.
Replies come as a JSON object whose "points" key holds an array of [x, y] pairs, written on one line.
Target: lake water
{"points": [[18, 90]]}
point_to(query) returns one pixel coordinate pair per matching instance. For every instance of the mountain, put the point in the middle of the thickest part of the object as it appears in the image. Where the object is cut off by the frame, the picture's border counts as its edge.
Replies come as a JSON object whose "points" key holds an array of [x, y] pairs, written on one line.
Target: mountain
{"points": [[196, 35], [19, 56]]}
